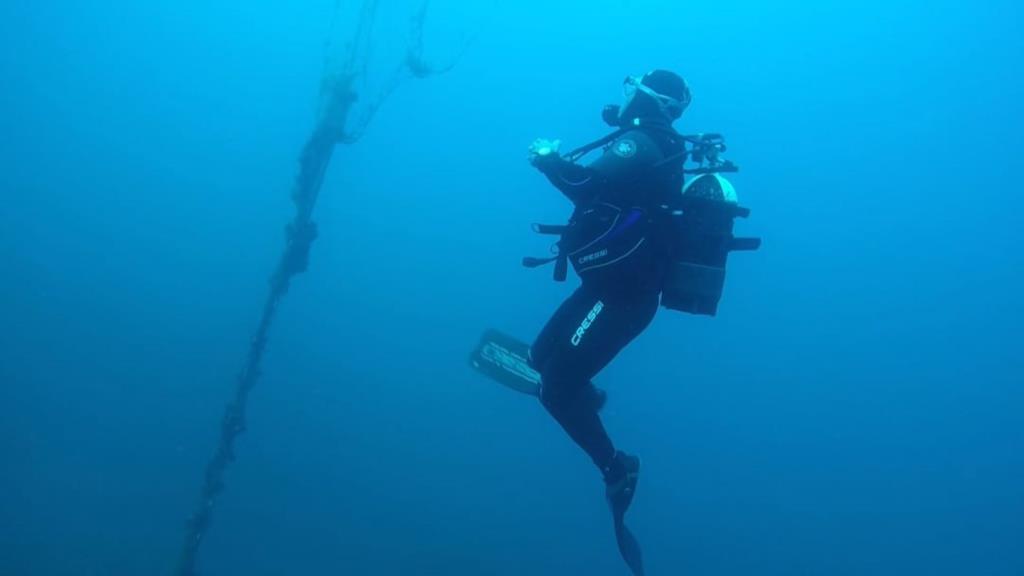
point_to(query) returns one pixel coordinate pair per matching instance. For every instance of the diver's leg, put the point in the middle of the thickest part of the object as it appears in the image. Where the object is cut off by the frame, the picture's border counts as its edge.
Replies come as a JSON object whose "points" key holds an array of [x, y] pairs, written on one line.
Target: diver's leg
{"points": [[582, 337], [566, 400], [565, 381]]}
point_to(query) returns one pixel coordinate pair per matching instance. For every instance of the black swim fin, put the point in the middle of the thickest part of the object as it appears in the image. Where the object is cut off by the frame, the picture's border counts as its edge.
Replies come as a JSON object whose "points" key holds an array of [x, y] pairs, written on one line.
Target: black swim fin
{"points": [[505, 359], [620, 492], [629, 548]]}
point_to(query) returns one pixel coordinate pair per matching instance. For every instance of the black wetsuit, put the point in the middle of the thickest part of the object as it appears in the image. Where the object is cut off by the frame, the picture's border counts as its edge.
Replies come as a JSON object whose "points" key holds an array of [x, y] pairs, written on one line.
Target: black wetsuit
{"points": [[613, 243]]}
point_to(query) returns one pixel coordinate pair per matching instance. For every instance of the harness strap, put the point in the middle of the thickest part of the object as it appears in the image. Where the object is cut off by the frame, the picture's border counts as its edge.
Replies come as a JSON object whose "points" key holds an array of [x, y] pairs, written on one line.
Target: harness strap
{"points": [[550, 229], [561, 265], [587, 149], [531, 262]]}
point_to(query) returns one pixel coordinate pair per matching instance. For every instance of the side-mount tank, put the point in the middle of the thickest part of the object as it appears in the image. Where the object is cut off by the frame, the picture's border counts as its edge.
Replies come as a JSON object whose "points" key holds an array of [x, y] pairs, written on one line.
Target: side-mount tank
{"points": [[701, 239]]}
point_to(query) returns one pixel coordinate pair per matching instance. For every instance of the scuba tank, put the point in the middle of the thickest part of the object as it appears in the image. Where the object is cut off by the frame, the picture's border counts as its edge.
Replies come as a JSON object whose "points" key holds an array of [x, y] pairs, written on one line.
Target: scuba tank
{"points": [[700, 238]]}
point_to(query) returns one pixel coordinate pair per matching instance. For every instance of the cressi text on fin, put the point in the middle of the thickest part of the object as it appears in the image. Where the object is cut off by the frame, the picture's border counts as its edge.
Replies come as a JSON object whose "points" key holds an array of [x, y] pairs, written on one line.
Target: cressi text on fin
{"points": [[505, 360]]}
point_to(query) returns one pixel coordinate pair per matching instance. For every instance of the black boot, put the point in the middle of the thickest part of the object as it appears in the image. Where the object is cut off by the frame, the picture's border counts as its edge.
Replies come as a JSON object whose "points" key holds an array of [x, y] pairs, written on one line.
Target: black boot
{"points": [[620, 479]]}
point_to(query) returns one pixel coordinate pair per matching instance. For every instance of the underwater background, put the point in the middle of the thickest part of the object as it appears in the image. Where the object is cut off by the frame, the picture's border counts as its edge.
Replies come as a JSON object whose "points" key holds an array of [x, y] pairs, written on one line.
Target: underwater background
{"points": [[855, 408]]}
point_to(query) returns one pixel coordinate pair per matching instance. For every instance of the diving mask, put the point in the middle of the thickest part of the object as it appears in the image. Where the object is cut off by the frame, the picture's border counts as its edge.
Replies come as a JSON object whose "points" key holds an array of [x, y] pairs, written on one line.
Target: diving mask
{"points": [[671, 107]]}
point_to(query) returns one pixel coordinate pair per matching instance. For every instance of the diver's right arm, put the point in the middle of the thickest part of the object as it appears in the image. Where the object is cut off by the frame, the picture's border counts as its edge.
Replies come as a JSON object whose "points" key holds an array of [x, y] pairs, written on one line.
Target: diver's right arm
{"points": [[623, 162], [578, 183]]}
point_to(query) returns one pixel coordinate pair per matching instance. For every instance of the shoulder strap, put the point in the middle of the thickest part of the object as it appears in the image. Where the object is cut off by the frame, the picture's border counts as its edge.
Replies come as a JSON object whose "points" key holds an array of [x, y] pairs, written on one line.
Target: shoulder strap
{"points": [[587, 149]]}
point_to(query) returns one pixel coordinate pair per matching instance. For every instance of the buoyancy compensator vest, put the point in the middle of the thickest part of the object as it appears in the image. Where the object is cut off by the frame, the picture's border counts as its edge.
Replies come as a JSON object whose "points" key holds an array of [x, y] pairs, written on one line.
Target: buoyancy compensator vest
{"points": [[677, 236], [609, 240]]}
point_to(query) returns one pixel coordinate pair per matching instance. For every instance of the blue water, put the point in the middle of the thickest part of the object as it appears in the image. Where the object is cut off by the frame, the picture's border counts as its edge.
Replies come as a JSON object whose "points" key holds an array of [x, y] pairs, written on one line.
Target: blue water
{"points": [[855, 409]]}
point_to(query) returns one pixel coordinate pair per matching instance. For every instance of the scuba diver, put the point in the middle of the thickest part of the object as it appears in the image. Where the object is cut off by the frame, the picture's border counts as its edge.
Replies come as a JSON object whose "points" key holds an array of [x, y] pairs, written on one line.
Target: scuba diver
{"points": [[637, 238], [621, 266]]}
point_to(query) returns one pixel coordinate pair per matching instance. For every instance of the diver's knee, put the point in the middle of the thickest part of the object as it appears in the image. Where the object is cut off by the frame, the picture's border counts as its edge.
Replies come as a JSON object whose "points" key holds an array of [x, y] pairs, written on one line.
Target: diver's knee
{"points": [[561, 396], [554, 395]]}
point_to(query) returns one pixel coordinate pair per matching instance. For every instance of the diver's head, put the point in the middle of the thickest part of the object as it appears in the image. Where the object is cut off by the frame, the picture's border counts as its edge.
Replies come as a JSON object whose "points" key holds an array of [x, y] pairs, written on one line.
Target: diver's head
{"points": [[659, 96]]}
